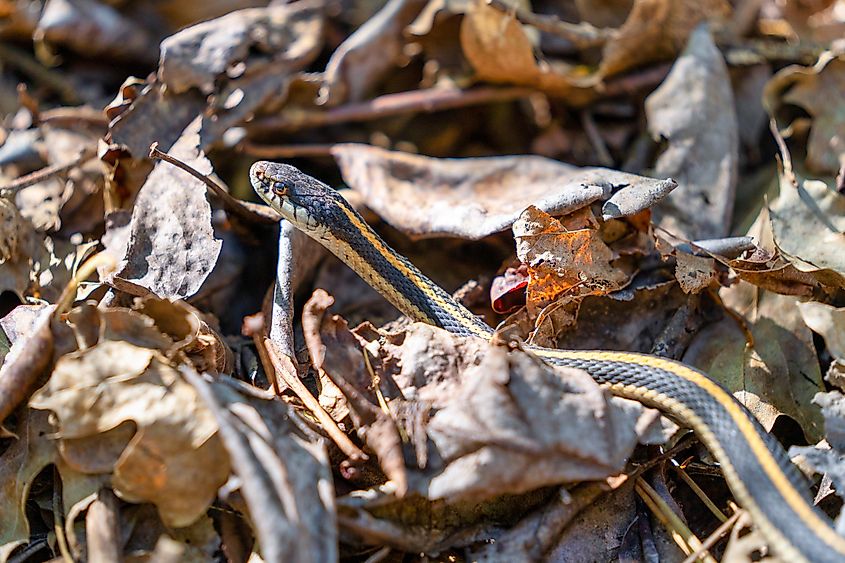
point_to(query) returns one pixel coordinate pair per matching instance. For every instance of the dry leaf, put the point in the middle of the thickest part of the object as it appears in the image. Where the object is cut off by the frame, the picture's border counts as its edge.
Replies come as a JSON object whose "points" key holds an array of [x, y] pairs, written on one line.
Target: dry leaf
{"points": [[498, 48], [808, 221], [368, 54], [171, 248], [199, 55], [693, 110], [818, 90], [490, 439], [20, 464], [283, 468], [779, 374], [94, 29], [657, 30], [473, 197], [565, 258], [175, 459]]}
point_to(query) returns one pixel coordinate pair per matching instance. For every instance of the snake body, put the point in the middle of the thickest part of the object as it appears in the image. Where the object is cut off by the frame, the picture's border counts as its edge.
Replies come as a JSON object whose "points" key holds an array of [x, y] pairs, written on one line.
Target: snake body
{"points": [[756, 467]]}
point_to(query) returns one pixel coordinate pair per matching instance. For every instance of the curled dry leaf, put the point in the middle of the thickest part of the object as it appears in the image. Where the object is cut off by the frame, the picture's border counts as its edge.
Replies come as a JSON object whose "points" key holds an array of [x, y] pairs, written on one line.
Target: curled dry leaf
{"points": [[93, 29], [369, 53], [337, 353], [499, 50], [174, 459], [807, 222], [491, 438], [818, 90], [283, 466], [693, 110], [829, 458], [171, 248], [26, 457], [565, 257], [657, 30], [829, 322], [25, 364], [474, 197], [299, 254], [199, 55]]}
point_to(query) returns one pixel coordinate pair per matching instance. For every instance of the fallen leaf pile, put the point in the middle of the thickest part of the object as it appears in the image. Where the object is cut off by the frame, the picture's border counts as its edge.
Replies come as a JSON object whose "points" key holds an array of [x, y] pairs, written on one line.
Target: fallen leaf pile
{"points": [[185, 377]]}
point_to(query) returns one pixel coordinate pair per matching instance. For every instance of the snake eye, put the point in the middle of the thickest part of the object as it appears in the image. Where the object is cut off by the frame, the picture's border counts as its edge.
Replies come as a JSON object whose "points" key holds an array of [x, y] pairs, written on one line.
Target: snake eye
{"points": [[280, 188]]}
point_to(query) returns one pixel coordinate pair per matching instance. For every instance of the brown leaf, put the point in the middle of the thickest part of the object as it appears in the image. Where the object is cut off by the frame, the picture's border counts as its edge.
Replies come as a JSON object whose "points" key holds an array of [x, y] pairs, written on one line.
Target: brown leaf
{"points": [[25, 364], [337, 352], [564, 259], [20, 464], [693, 110], [94, 29], [283, 466], [491, 441], [498, 48], [807, 222], [472, 197], [818, 90], [175, 459], [657, 30], [199, 55], [371, 51]]}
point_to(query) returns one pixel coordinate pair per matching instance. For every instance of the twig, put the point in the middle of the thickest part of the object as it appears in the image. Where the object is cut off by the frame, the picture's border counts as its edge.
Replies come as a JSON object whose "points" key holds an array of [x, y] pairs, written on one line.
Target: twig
{"points": [[253, 327], [235, 206], [59, 517], [699, 492], [679, 531], [292, 380], [44, 174], [273, 152], [594, 136], [583, 35], [425, 101], [714, 537]]}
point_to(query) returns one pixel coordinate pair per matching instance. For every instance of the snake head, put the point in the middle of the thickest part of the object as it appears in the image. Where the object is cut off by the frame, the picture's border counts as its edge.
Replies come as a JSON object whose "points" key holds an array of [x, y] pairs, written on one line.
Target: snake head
{"points": [[303, 200]]}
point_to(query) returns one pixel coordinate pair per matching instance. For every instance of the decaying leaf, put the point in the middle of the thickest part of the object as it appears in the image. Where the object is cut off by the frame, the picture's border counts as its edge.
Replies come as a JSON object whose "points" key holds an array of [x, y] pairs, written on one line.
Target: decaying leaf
{"points": [[20, 464], [693, 110], [197, 56], [656, 30], [808, 220], [489, 441], [175, 459], [564, 258], [369, 53], [829, 457], [473, 197], [498, 48], [818, 90], [171, 248], [283, 466]]}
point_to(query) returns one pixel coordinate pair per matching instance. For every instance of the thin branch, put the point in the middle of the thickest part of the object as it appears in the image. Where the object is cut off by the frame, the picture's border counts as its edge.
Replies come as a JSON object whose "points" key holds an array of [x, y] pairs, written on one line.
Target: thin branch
{"points": [[714, 537], [44, 174], [425, 101], [582, 35], [289, 376], [260, 213], [273, 152]]}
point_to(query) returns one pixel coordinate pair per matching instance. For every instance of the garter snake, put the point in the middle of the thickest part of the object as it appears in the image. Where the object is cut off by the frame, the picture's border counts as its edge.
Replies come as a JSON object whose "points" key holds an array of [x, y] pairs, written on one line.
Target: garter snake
{"points": [[756, 467]]}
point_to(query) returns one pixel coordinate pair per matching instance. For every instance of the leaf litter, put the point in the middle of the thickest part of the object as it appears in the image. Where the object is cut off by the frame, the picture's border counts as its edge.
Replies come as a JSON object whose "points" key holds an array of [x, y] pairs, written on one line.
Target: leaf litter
{"points": [[177, 383]]}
